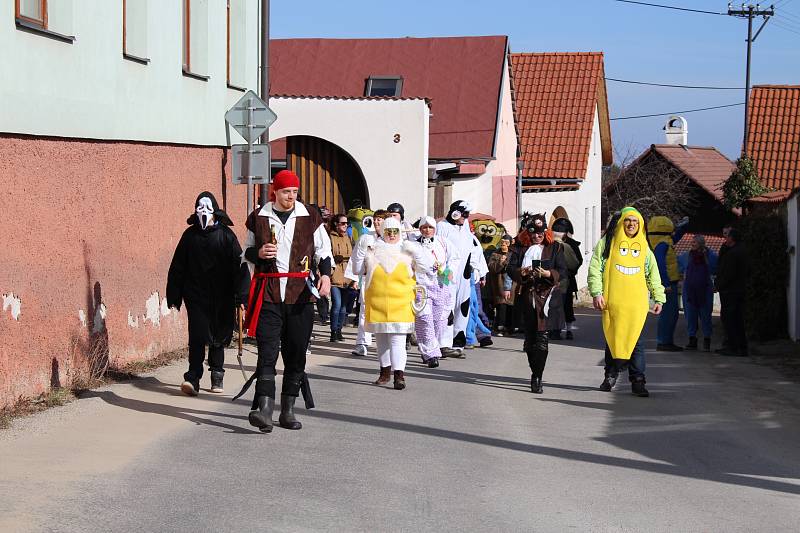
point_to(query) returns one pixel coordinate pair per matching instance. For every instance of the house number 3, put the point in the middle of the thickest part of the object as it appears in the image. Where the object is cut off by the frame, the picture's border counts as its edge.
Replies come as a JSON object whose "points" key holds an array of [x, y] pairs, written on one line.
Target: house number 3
{"points": [[396, 137]]}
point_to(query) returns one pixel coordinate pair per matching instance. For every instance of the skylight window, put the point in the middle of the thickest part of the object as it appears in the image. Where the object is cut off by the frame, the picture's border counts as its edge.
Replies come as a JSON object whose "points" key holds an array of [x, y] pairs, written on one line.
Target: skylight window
{"points": [[384, 86]]}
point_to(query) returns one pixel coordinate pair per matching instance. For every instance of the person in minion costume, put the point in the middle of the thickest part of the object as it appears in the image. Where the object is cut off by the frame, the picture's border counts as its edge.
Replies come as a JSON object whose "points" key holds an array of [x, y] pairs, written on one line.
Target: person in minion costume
{"points": [[489, 233], [391, 266], [663, 235], [623, 276], [361, 220]]}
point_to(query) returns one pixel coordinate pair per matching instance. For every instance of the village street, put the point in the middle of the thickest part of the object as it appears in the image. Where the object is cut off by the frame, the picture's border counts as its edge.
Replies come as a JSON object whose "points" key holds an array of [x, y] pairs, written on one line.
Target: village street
{"points": [[466, 447]]}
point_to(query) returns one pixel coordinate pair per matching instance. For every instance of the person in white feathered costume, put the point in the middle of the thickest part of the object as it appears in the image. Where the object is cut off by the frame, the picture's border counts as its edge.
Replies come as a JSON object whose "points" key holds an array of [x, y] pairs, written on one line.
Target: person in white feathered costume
{"points": [[390, 266]]}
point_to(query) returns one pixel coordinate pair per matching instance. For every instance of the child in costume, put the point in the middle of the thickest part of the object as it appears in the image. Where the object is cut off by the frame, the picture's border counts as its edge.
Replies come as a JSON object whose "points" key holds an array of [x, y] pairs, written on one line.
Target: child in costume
{"points": [[623, 274], [390, 267]]}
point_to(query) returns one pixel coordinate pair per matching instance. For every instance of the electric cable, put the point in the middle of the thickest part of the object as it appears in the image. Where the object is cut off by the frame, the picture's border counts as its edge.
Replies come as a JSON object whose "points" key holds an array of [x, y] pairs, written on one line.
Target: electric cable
{"points": [[677, 112], [671, 7], [675, 86]]}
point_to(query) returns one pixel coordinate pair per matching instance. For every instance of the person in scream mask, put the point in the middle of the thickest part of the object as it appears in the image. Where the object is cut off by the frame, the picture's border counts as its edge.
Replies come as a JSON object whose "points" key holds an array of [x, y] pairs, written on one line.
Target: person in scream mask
{"points": [[206, 274], [622, 274], [537, 272], [455, 228]]}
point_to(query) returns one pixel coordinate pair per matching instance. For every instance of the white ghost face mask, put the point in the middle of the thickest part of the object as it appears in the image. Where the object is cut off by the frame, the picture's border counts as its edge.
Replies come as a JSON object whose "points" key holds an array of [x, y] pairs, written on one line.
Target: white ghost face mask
{"points": [[205, 212]]}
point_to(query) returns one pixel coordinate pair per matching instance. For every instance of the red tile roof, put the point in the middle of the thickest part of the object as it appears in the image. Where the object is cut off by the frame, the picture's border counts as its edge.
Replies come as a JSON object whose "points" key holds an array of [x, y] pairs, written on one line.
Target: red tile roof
{"points": [[704, 165], [460, 75], [713, 242], [774, 135], [556, 95]]}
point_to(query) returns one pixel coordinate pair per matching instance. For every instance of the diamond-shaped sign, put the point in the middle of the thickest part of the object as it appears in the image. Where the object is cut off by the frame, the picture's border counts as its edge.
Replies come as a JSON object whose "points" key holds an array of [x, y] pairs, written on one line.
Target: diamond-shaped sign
{"points": [[250, 116]]}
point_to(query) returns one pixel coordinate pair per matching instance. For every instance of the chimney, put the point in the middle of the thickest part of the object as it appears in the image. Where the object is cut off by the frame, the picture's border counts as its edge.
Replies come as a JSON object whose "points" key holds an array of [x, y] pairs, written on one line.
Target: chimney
{"points": [[677, 130]]}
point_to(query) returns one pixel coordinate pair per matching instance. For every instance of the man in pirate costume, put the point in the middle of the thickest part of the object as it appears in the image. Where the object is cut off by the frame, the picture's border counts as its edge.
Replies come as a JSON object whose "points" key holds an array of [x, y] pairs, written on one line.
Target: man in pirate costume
{"points": [[456, 229], [206, 274], [283, 239]]}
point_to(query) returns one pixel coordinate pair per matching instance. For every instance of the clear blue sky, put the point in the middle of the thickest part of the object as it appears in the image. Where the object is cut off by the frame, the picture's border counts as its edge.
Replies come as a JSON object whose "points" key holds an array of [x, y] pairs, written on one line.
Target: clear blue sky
{"points": [[639, 42]]}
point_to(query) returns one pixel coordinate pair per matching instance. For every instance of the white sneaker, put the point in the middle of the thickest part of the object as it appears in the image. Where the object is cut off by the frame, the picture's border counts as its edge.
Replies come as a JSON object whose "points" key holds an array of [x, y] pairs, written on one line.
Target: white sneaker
{"points": [[360, 350]]}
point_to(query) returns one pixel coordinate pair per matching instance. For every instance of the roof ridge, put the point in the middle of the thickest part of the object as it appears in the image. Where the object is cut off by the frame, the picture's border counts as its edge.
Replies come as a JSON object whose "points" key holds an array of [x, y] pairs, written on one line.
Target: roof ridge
{"points": [[407, 37], [531, 54], [767, 86]]}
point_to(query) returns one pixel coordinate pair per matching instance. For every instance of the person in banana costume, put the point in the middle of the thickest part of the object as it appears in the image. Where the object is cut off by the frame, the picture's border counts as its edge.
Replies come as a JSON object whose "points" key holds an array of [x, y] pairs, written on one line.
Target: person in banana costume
{"points": [[623, 275]]}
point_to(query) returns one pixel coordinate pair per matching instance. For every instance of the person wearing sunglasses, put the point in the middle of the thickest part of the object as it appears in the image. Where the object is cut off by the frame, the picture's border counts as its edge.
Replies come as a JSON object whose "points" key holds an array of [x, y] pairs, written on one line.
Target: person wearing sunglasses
{"points": [[391, 266], [342, 248]]}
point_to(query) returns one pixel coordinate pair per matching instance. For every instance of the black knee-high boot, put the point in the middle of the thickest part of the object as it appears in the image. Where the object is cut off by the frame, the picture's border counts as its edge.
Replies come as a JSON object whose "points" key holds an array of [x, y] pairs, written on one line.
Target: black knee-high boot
{"points": [[537, 358], [263, 404]]}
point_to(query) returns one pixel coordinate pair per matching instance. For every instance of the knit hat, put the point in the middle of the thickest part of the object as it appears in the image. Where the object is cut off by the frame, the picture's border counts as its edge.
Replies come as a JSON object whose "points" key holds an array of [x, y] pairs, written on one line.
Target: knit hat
{"points": [[284, 179]]}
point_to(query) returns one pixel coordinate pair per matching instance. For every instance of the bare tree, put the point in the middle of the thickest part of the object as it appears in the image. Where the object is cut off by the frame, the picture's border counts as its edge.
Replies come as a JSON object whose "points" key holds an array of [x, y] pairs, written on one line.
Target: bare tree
{"points": [[649, 183]]}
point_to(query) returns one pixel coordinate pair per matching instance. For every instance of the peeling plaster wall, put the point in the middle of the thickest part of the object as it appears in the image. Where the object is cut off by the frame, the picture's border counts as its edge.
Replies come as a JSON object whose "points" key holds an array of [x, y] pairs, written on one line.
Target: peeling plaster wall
{"points": [[94, 228]]}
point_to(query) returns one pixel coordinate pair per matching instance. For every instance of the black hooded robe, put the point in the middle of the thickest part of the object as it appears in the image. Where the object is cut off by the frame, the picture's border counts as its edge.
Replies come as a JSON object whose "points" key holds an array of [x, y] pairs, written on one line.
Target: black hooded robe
{"points": [[207, 274]]}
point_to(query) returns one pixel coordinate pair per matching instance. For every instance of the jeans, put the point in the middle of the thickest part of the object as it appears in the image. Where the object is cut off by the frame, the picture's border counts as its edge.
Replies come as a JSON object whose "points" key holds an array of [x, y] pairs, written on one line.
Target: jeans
{"points": [[636, 365], [669, 316], [339, 300], [693, 313]]}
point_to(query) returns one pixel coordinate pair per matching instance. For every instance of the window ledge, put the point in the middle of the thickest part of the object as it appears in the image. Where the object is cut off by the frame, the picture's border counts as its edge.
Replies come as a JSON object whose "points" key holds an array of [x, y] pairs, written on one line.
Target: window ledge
{"points": [[195, 76], [32, 27], [136, 59], [236, 88]]}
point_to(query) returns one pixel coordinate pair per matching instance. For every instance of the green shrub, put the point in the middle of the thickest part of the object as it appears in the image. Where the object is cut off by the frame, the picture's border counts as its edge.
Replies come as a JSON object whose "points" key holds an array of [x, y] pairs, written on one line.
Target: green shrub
{"points": [[765, 239]]}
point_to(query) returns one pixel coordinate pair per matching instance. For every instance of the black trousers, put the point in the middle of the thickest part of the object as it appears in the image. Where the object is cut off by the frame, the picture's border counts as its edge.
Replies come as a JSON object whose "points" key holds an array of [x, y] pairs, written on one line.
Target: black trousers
{"points": [[285, 328], [206, 329], [732, 315], [536, 345], [569, 307], [323, 306]]}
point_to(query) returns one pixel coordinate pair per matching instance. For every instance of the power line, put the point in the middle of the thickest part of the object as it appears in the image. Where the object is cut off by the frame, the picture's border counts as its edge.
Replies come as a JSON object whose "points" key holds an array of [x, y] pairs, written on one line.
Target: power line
{"points": [[677, 112], [671, 7], [675, 86], [786, 27]]}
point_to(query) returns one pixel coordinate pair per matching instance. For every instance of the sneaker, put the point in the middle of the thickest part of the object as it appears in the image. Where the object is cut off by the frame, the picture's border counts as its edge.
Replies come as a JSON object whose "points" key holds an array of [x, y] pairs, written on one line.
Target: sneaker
{"points": [[190, 388], [216, 382], [360, 350], [608, 383], [638, 389]]}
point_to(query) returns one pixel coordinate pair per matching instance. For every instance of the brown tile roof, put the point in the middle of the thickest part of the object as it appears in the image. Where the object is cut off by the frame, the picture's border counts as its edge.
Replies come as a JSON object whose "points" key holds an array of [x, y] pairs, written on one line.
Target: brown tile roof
{"points": [[774, 135], [556, 95], [713, 242], [704, 165], [460, 75]]}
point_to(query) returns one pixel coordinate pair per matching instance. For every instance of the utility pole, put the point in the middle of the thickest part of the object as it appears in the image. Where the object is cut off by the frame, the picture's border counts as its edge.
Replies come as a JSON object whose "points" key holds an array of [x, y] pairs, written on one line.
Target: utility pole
{"points": [[265, 89], [750, 11]]}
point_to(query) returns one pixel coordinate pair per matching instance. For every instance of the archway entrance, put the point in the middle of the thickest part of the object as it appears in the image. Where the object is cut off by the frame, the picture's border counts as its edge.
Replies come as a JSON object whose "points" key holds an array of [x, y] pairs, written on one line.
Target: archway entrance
{"points": [[328, 175], [558, 212]]}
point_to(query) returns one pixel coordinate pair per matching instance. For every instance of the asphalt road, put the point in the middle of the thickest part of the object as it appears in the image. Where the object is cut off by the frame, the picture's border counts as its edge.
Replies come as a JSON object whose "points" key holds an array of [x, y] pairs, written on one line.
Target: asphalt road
{"points": [[466, 447]]}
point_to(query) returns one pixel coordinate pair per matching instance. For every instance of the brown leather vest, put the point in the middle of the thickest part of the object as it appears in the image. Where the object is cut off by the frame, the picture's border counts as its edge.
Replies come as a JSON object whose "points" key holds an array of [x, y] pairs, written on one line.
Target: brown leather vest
{"points": [[302, 246]]}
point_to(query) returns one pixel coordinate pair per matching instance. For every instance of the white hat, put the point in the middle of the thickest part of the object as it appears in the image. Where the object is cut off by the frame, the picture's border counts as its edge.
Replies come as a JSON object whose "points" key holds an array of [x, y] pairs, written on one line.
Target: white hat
{"points": [[391, 223], [426, 221]]}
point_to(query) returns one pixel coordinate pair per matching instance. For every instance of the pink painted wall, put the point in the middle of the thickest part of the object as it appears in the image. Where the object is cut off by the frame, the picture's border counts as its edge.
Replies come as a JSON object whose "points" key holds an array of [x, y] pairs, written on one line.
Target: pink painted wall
{"points": [[504, 168], [87, 222], [504, 201]]}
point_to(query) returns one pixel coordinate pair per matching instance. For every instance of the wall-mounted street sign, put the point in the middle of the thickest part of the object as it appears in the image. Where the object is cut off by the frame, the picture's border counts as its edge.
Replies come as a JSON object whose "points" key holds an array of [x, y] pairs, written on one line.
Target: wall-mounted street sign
{"points": [[250, 116], [250, 160]]}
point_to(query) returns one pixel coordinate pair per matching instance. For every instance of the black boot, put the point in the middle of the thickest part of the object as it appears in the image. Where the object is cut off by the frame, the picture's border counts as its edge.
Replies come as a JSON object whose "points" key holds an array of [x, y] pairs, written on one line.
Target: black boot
{"points": [[286, 418], [608, 383], [692, 343], [216, 382], [706, 344], [536, 385], [399, 380], [339, 336], [638, 388], [334, 337], [261, 416]]}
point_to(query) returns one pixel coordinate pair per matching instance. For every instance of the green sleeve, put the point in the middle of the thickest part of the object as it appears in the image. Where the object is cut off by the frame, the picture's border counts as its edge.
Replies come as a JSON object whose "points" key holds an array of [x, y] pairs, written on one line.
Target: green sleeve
{"points": [[596, 265], [654, 279]]}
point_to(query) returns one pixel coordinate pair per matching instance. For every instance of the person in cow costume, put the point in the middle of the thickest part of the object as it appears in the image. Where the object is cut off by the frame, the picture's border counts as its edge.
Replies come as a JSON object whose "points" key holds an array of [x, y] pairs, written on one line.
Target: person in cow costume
{"points": [[207, 276], [455, 228]]}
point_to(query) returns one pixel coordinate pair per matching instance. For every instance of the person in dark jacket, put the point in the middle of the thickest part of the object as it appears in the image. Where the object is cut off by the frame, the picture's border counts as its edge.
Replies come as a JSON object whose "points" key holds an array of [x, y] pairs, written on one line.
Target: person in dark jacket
{"points": [[562, 232], [731, 283], [537, 272], [206, 274]]}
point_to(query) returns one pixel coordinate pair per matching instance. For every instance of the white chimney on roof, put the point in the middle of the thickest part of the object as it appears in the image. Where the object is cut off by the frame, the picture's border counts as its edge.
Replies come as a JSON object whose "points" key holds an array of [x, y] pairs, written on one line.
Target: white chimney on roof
{"points": [[677, 130]]}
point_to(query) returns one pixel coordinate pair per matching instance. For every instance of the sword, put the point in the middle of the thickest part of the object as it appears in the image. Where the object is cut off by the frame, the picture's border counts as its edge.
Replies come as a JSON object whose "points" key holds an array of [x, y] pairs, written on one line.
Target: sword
{"points": [[239, 354], [310, 279]]}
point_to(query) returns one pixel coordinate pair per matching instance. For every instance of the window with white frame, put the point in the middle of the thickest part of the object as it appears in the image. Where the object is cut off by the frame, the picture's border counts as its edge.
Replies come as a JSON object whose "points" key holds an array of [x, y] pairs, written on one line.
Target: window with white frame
{"points": [[134, 30], [237, 43], [384, 86]]}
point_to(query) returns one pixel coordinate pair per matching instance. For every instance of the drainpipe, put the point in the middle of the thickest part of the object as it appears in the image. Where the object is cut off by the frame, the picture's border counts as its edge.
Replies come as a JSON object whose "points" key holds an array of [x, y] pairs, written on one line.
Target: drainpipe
{"points": [[264, 53], [520, 166]]}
